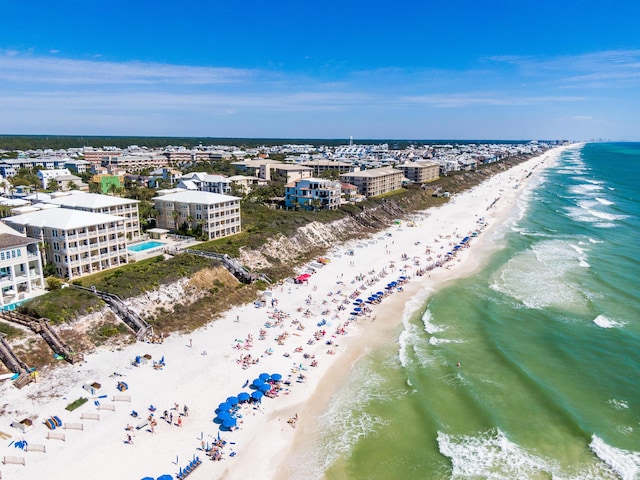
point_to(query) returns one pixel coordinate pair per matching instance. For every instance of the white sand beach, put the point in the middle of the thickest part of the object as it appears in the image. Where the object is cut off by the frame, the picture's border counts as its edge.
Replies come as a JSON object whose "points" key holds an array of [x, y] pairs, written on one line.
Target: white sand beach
{"points": [[305, 332]]}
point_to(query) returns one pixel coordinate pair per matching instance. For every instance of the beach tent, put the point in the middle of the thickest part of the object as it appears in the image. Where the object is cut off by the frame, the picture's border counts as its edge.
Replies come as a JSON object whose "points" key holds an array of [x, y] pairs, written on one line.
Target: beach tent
{"points": [[243, 396]]}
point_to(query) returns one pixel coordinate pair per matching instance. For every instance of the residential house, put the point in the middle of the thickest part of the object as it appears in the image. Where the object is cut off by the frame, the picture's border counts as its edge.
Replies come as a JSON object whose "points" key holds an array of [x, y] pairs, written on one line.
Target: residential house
{"points": [[46, 175], [70, 182], [205, 182], [313, 194]]}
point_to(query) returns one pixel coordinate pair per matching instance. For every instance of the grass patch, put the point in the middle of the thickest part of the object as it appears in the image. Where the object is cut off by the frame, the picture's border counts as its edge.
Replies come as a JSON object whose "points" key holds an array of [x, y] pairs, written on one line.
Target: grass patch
{"points": [[62, 305], [10, 332]]}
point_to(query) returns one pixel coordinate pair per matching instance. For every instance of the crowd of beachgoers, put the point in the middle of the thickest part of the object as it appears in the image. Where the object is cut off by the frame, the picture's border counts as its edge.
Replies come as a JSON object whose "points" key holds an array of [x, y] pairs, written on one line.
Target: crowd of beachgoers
{"points": [[249, 376]]}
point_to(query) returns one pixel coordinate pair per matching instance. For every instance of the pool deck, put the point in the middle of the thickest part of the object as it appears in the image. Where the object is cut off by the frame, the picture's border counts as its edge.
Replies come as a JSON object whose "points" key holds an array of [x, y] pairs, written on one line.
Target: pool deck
{"points": [[171, 245]]}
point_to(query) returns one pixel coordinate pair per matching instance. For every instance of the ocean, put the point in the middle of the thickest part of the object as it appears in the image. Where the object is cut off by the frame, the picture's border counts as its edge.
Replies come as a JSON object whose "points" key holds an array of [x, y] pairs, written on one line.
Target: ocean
{"points": [[548, 340]]}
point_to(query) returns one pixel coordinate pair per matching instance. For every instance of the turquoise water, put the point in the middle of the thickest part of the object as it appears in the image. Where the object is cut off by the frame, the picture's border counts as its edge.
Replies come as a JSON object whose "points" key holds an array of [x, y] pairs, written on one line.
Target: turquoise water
{"points": [[140, 247], [548, 336]]}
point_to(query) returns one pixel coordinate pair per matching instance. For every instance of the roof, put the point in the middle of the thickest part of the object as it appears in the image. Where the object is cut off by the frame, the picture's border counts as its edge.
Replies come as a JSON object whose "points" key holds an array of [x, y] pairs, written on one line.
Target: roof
{"points": [[7, 240], [374, 172], [188, 196], [90, 200], [62, 219]]}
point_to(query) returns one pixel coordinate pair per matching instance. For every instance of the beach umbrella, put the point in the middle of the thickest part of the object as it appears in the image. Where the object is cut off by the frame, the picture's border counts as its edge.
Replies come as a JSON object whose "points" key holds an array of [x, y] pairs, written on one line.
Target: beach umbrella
{"points": [[264, 388], [380, 294], [257, 395], [357, 309], [148, 478], [166, 476], [276, 377], [256, 384], [264, 377], [225, 407], [243, 396], [223, 415], [229, 422], [232, 400]]}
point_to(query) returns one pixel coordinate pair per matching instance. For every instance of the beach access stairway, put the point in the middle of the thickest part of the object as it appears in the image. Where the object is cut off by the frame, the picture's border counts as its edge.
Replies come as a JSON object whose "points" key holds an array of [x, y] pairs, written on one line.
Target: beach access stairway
{"points": [[9, 358], [13, 363], [140, 326], [231, 264], [42, 327]]}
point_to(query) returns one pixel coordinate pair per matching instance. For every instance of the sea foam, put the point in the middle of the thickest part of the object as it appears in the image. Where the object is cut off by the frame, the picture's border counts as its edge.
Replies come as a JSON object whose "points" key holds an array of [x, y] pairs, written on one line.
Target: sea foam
{"points": [[605, 322], [625, 463], [490, 455], [542, 275]]}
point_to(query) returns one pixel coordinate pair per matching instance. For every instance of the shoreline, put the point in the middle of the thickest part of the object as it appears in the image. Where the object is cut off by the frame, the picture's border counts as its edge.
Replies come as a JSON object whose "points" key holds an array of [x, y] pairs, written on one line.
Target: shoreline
{"points": [[201, 369]]}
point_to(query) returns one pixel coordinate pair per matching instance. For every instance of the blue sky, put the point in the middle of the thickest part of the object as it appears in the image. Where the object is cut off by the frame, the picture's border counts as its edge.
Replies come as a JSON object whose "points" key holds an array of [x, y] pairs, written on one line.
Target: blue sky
{"points": [[484, 69]]}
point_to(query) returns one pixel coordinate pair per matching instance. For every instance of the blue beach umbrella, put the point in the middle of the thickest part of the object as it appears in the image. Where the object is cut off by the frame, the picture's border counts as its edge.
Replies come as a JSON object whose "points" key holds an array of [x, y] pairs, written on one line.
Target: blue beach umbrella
{"points": [[148, 478], [166, 476], [264, 377], [264, 388], [243, 396], [229, 422], [223, 415], [276, 377], [257, 395], [232, 400], [380, 294], [224, 406], [357, 309]]}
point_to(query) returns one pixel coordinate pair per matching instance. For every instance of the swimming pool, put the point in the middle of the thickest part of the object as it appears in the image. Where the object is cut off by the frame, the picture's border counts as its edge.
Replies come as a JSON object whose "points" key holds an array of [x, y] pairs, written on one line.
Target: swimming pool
{"points": [[140, 247]]}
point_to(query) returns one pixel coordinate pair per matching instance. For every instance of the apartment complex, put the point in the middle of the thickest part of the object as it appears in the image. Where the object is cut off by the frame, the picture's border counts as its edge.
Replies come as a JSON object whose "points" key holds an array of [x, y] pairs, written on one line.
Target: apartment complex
{"points": [[21, 276], [420, 172], [376, 181], [321, 166], [77, 242], [94, 202], [313, 194], [215, 214], [134, 163]]}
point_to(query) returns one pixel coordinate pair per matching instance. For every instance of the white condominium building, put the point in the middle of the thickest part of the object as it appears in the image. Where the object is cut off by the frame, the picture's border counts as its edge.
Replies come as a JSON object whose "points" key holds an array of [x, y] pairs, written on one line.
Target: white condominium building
{"points": [[216, 214], [97, 203], [21, 275], [78, 243]]}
